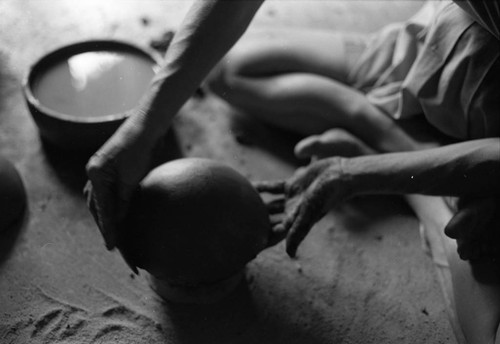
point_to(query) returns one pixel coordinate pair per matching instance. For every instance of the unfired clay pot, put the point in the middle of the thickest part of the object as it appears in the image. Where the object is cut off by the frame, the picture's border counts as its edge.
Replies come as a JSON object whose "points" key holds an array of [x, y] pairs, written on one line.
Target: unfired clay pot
{"points": [[193, 225]]}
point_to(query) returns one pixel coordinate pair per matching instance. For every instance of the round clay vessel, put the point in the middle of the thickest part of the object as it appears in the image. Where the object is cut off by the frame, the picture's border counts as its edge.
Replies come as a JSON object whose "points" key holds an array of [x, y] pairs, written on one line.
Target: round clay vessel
{"points": [[12, 194], [193, 223]]}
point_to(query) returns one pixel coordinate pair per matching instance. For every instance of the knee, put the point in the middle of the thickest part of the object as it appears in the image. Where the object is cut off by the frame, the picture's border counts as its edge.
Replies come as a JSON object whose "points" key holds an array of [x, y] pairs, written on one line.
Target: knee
{"points": [[475, 228]]}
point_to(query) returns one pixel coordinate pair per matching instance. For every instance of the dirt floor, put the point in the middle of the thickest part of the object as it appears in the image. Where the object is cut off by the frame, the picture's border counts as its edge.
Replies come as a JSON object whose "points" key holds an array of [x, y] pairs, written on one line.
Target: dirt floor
{"points": [[361, 276]]}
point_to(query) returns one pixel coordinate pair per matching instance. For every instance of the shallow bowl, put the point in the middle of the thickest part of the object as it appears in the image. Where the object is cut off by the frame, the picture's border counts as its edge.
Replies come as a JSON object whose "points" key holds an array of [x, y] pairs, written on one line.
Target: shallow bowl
{"points": [[66, 130]]}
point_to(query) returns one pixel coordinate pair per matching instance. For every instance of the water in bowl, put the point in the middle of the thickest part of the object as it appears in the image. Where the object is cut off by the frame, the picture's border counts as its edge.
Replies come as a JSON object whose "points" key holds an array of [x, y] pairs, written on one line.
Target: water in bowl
{"points": [[93, 84]]}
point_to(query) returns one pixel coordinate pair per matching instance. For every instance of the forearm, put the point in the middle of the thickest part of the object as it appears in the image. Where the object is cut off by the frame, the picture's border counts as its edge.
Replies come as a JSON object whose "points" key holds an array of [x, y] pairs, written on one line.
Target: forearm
{"points": [[209, 30], [469, 168]]}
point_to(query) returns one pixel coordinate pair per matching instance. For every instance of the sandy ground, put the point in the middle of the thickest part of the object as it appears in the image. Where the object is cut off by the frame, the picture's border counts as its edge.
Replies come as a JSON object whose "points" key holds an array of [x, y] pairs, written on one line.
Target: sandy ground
{"points": [[361, 276]]}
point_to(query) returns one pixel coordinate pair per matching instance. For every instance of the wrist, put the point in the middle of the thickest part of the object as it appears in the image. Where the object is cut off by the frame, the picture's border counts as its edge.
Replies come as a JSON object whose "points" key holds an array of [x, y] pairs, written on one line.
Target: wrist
{"points": [[359, 177], [348, 177], [151, 119]]}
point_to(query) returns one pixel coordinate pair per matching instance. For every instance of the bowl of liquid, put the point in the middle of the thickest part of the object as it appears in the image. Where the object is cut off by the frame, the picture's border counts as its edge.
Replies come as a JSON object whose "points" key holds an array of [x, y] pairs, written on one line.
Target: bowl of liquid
{"points": [[79, 94]]}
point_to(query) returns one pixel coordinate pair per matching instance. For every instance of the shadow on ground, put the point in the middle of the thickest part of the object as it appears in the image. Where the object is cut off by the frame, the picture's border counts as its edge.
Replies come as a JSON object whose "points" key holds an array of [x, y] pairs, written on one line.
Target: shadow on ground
{"points": [[10, 236], [236, 319]]}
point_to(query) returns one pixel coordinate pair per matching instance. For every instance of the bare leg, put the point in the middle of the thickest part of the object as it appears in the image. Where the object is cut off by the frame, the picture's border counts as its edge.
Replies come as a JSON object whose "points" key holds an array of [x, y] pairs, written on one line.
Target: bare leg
{"points": [[297, 81]]}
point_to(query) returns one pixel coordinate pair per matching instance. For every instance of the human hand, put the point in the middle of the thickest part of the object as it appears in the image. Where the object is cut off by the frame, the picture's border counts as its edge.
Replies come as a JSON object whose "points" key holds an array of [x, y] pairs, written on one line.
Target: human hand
{"points": [[114, 173], [476, 228], [304, 199]]}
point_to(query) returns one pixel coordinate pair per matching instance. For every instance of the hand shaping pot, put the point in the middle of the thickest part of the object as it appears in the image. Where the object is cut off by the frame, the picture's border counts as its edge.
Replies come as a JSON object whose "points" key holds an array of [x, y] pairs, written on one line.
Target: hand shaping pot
{"points": [[193, 225]]}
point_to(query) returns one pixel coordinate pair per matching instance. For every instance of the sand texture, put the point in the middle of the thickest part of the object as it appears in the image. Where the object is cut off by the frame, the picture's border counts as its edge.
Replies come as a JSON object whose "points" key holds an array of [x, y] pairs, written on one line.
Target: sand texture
{"points": [[361, 275]]}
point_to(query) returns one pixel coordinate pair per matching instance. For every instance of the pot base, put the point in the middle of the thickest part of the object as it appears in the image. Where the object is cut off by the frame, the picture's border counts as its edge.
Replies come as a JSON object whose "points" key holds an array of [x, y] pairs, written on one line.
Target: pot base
{"points": [[205, 294]]}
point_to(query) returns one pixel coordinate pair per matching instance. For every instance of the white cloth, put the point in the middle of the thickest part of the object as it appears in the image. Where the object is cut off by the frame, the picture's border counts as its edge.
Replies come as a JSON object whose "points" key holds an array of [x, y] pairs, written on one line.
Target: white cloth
{"points": [[443, 63]]}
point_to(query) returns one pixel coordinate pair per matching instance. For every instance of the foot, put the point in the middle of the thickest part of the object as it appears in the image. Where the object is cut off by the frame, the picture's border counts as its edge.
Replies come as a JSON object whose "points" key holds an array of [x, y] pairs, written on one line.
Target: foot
{"points": [[334, 142]]}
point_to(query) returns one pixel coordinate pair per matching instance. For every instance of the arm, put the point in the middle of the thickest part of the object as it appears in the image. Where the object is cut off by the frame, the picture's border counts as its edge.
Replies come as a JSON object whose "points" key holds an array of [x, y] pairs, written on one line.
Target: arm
{"points": [[469, 168], [210, 28], [465, 169]]}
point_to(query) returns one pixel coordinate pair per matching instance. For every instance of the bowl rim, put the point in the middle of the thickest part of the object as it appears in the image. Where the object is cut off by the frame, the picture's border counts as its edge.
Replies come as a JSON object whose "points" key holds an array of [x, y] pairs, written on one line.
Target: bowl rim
{"points": [[67, 50]]}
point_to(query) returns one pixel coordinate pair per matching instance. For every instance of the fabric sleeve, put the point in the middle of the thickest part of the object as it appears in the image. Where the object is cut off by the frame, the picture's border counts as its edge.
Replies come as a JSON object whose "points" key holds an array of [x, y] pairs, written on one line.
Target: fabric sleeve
{"points": [[485, 12]]}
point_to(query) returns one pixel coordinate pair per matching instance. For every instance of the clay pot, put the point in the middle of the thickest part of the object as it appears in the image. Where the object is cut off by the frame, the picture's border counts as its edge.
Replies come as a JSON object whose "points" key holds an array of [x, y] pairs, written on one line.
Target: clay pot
{"points": [[194, 222], [12, 194]]}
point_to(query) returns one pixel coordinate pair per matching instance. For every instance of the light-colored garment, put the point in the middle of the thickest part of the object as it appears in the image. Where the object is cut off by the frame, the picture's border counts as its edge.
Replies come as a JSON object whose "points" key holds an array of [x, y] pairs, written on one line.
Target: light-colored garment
{"points": [[443, 63]]}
